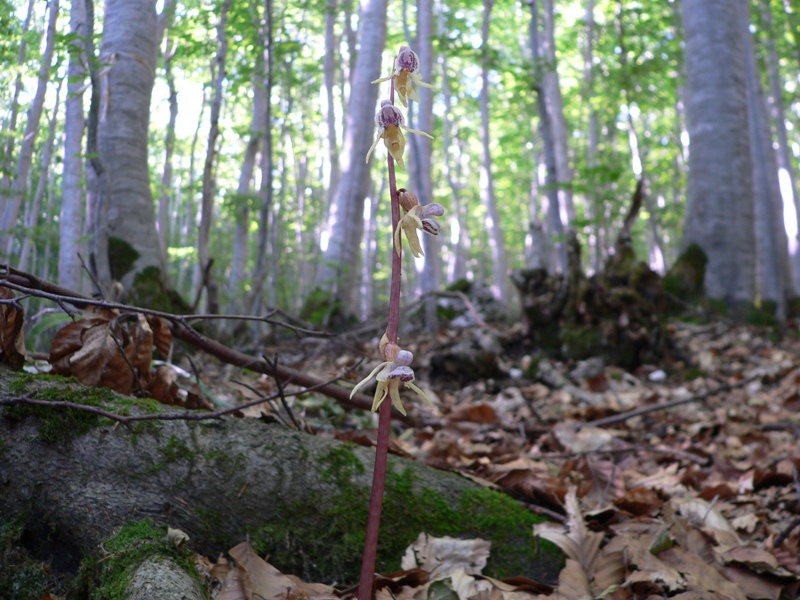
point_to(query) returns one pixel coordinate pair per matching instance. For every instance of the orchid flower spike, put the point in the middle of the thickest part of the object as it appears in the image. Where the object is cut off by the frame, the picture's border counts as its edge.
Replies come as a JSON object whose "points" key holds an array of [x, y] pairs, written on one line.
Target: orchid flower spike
{"points": [[390, 121], [390, 374], [406, 75], [416, 217]]}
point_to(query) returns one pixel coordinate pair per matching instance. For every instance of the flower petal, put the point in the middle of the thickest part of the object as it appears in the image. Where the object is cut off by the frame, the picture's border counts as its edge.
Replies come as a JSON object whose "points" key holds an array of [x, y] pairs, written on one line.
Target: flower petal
{"points": [[361, 383], [419, 392], [374, 145], [410, 227], [430, 226], [380, 395], [434, 209], [394, 392], [417, 131]]}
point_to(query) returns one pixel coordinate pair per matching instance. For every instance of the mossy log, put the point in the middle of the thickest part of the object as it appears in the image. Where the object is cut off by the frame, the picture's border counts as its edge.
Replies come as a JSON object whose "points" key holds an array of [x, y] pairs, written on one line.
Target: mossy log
{"points": [[72, 479]]}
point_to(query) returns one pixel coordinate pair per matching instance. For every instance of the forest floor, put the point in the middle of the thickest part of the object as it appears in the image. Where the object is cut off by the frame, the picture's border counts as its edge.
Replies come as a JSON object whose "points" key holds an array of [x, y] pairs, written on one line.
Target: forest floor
{"points": [[695, 495]]}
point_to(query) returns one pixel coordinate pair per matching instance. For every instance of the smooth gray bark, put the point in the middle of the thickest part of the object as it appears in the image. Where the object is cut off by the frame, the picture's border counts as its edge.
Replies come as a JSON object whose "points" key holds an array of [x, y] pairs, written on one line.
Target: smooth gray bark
{"points": [[422, 160], [20, 184], [775, 282], [244, 191], [73, 193], [720, 204], [493, 225], [550, 200], [266, 209], [778, 114], [165, 21], [33, 211], [338, 272], [555, 108], [209, 187], [128, 49], [593, 198]]}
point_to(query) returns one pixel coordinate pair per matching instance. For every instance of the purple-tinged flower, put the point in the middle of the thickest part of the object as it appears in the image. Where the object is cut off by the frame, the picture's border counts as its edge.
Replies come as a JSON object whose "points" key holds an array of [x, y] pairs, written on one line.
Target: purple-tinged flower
{"points": [[390, 122], [416, 217], [406, 75], [389, 375]]}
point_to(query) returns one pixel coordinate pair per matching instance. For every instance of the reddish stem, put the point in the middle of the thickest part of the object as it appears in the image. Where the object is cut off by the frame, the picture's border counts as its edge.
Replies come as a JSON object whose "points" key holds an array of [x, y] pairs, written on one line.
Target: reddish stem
{"points": [[385, 410]]}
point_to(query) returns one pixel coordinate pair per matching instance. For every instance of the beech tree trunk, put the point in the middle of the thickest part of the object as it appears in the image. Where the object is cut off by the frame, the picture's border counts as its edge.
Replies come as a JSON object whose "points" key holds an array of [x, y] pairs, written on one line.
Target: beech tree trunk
{"points": [[209, 183], [338, 273], [719, 212], [774, 270], [130, 47], [34, 209], [784, 153], [495, 231], [72, 191]]}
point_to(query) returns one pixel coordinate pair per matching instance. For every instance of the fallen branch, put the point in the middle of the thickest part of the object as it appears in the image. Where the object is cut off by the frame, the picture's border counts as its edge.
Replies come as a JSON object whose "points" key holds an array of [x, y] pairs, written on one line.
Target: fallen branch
{"points": [[621, 417], [182, 330]]}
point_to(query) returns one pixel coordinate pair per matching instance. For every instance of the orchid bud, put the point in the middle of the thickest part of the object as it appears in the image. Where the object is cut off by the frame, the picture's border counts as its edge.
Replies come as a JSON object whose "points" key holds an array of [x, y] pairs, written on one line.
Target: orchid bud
{"points": [[408, 200]]}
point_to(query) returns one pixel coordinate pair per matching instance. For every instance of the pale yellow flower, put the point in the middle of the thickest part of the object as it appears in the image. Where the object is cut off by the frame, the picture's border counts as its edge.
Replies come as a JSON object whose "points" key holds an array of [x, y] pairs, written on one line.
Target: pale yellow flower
{"points": [[416, 217], [390, 374], [406, 75], [390, 122]]}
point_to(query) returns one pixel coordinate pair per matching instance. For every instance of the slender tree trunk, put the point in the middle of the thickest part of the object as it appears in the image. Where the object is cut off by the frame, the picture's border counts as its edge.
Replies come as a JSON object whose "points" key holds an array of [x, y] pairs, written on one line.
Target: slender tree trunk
{"points": [[785, 161], [493, 223], [329, 67], [719, 213], [97, 178], [256, 299], [19, 186], [165, 20], [72, 194], [209, 184], [10, 125], [774, 270], [552, 201], [555, 104], [593, 199], [422, 160], [338, 273], [33, 211], [244, 193], [189, 208]]}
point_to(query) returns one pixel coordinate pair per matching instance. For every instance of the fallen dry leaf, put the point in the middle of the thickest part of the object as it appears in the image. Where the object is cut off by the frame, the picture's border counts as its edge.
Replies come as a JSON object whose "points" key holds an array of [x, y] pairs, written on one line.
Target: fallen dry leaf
{"points": [[12, 341]]}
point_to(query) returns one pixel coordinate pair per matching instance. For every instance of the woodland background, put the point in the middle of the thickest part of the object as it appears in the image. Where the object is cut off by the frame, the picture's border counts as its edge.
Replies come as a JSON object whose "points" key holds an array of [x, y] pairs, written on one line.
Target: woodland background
{"points": [[248, 182]]}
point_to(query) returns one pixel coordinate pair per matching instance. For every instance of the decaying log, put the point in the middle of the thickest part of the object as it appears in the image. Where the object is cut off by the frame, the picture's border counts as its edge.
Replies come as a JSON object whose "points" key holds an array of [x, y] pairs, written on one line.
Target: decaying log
{"points": [[73, 478]]}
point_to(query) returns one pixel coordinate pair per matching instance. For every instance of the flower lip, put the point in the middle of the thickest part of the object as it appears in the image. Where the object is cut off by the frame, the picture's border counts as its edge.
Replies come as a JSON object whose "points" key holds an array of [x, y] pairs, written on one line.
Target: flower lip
{"points": [[389, 115], [402, 372], [407, 59], [404, 358], [430, 226]]}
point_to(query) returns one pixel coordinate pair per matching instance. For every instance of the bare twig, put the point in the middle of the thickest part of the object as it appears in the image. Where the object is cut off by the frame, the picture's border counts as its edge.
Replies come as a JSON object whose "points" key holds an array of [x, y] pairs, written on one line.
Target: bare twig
{"points": [[619, 418], [181, 329]]}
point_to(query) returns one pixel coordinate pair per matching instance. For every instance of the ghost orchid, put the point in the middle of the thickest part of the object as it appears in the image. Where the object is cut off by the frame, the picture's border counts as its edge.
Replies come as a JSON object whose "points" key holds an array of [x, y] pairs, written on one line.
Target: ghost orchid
{"points": [[416, 217], [406, 75], [390, 122], [389, 375]]}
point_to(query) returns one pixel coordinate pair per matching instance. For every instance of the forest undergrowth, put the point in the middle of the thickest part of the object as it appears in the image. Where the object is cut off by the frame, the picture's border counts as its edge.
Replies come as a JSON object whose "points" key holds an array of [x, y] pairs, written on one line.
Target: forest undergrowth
{"points": [[698, 496]]}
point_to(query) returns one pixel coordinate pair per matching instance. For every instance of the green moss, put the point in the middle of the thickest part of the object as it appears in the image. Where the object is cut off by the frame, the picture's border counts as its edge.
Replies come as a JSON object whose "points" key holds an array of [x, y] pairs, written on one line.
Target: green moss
{"points": [[21, 577], [124, 552], [324, 540], [121, 257], [579, 343], [685, 279], [151, 291], [172, 451], [60, 425]]}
